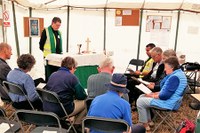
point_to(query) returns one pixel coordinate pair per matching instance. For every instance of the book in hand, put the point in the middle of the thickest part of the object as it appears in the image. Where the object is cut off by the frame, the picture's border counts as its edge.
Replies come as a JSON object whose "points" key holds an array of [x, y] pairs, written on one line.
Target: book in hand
{"points": [[41, 85], [144, 82], [143, 88]]}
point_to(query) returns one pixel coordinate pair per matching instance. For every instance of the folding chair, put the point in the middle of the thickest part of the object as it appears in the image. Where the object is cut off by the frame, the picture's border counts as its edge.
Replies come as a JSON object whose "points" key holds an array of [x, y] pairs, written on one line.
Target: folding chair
{"points": [[4, 96], [7, 125], [166, 114], [105, 125], [52, 97], [16, 89], [88, 102], [136, 63], [43, 121]]}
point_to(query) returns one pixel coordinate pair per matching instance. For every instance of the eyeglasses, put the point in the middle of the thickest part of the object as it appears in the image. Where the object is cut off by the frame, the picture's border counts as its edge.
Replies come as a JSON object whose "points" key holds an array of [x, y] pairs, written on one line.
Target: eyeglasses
{"points": [[154, 56]]}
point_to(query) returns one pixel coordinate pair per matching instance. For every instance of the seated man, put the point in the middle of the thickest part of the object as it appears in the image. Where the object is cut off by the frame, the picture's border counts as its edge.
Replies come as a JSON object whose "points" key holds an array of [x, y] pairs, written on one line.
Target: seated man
{"points": [[20, 77], [5, 54], [96, 82], [148, 64], [111, 105], [71, 93]]}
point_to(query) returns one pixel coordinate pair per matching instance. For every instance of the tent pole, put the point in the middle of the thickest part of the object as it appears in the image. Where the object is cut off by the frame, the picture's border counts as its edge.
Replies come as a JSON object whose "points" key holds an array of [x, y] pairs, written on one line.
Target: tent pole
{"points": [[104, 41], [177, 28], [15, 29], [140, 32], [67, 44], [30, 38]]}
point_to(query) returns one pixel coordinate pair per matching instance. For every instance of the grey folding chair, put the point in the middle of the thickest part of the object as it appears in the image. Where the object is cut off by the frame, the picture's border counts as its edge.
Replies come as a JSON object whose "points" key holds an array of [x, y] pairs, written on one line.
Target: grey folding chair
{"points": [[13, 126], [136, 63], [52, 97], [16, 89], [105, 125], [43, 121]]}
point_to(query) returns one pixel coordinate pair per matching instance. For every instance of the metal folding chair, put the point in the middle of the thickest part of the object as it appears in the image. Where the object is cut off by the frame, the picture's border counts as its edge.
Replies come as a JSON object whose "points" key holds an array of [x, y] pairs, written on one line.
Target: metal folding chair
{"points": [[43, 121], [135, 63], [52, 97], [166, 114], [104, 125], [16, 89], [10, 126]]}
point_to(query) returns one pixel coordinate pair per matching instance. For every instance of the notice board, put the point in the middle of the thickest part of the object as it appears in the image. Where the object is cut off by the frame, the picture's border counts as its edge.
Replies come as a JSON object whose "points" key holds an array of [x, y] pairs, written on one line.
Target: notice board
{"points": [[127, 17]]}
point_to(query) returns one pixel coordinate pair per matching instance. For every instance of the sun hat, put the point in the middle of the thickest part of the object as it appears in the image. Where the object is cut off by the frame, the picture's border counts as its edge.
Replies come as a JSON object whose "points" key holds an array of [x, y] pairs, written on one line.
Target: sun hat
{"points": [[118, 83]]}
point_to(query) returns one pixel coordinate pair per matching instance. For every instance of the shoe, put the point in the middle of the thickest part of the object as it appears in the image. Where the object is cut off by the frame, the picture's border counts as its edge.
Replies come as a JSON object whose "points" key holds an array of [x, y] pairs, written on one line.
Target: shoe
{"points": [[195, 106], [151, 124]]}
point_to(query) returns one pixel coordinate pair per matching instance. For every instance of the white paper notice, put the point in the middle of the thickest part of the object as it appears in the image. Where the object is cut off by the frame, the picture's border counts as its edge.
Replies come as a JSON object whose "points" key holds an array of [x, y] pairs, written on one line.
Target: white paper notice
{"points": [[143, 88]]}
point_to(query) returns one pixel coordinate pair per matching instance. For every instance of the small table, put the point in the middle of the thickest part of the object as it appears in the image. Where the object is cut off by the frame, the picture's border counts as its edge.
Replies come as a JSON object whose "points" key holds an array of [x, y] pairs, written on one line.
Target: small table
{"points": [[87, 64]]}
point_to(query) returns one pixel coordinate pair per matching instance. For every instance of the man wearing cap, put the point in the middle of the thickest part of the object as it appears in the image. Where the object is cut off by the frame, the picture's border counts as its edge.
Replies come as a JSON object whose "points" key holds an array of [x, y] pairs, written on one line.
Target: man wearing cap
{"points": [[111, 105]]}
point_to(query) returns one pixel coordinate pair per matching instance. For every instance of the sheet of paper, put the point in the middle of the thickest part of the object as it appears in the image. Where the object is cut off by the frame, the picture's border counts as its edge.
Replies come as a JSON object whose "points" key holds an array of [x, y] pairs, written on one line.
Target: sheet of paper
{"points": [[4, 127], [143, 88], [41, 85], [46, 131], [144, 82]]}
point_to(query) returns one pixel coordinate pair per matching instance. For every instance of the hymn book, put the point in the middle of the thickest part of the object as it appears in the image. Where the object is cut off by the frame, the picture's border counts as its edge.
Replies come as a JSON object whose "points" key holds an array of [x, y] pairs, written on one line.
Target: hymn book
{"points": [[143, 88]]}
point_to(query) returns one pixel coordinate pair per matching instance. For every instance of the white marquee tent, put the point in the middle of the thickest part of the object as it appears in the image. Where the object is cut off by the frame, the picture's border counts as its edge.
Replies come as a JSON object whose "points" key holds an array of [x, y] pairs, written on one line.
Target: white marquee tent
{"points": [[96, 20]]}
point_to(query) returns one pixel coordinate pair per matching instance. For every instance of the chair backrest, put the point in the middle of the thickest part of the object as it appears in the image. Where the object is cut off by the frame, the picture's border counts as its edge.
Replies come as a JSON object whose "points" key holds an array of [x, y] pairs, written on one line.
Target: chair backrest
{"points": [[136, 63], [13, 125], [50, 96], [105, 124], [2, 112], [16, 89], [38, 118], [88, 102], [4, 96]]}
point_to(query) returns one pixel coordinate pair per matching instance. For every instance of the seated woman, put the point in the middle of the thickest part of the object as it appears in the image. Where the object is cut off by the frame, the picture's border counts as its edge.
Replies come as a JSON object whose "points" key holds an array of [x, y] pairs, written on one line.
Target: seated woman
{"points": [[172, 88], [20, 77]]}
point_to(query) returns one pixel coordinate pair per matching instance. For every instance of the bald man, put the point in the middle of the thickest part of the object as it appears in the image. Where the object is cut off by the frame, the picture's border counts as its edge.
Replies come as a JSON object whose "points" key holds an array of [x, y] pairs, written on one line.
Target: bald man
{"points": [[5, 54]]}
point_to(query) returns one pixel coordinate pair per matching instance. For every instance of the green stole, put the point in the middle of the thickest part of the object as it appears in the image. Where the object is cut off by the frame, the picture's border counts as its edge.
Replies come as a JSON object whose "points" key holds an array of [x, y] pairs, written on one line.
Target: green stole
{"points": [[52, 40]]}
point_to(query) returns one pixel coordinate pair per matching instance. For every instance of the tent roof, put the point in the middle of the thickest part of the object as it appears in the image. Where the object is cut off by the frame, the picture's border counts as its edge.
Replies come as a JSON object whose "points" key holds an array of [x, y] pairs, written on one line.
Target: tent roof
{"points": [[189, 5]]}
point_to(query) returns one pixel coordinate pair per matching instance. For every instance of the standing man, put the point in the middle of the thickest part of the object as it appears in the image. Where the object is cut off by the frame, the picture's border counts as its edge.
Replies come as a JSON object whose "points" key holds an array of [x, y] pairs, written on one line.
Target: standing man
{"points": [[5, 54], [51, 40]]}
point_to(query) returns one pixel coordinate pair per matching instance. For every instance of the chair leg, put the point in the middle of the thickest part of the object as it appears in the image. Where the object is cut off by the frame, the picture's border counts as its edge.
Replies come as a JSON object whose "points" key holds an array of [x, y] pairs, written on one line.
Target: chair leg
{"points": [[166, 117]]}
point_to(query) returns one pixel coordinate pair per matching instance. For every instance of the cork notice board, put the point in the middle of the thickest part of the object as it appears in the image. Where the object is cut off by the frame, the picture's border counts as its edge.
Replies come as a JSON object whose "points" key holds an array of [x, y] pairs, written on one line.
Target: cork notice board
{"points": [[31, 21], [127, 17]]}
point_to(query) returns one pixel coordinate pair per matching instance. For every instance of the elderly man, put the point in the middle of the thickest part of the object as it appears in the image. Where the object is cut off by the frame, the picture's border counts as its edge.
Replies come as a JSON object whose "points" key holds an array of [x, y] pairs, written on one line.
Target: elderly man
{"points": [[5, 54], [111, 105]]}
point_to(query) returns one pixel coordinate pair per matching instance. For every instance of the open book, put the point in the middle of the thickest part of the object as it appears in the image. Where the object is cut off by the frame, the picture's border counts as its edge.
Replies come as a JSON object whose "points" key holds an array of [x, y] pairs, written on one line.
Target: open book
{"points": [[140, 80], [143, 88], [41, 85], [144, 82]]}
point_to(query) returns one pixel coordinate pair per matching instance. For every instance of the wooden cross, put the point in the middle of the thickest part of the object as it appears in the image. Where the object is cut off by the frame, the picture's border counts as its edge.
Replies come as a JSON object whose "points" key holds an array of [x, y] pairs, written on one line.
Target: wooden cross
{"points": [[87, 47]]}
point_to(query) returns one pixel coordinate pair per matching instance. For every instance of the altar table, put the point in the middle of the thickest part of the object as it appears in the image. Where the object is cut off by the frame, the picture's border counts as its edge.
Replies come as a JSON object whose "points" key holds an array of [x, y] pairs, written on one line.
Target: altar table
{"points": [[87, 64]]}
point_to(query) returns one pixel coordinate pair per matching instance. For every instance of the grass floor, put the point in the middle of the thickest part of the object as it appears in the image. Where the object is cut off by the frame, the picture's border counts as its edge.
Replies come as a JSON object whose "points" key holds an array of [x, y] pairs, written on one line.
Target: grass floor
{"points": [[184, 112]]}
